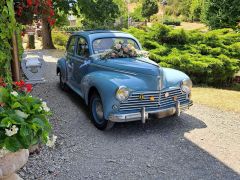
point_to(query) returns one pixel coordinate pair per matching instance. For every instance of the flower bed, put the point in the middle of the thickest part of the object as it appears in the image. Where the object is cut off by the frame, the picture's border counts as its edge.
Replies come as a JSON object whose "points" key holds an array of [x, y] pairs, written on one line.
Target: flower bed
{"points": [[23, 118]]}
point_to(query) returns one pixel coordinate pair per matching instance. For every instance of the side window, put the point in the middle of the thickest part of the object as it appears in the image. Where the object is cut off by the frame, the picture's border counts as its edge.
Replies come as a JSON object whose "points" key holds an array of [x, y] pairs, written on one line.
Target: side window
{"points": [[82, 48], [71, 45]]}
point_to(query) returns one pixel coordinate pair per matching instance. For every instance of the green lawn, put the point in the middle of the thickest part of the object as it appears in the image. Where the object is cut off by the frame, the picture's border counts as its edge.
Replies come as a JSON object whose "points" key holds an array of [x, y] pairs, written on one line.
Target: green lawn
{"points": [[222, 99]]}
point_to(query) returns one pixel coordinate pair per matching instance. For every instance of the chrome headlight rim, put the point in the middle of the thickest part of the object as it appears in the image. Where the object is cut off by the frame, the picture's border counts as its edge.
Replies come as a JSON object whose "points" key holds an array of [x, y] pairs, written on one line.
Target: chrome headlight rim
{"points": [[186, 85], [122, 93]]}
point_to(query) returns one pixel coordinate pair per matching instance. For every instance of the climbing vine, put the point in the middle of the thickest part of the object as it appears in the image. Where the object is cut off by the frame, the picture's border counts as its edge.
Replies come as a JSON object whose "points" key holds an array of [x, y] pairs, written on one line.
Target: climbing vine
{"points": [[7, 27]]}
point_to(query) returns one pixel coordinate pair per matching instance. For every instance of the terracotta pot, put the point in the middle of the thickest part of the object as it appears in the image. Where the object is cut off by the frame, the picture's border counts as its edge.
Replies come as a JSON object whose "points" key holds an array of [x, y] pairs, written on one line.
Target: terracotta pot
{"points": [[11, 163]]}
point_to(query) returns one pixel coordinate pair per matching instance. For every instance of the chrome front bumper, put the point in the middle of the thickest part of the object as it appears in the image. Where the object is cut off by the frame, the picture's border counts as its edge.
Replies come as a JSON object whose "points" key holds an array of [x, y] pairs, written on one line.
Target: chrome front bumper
{"points": [[143, 115]]}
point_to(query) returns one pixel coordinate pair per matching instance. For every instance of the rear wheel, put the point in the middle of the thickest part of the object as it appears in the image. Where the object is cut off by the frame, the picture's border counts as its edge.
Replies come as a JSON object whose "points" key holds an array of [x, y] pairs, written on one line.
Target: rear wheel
{"points": [[63, 85], [97, 113]]}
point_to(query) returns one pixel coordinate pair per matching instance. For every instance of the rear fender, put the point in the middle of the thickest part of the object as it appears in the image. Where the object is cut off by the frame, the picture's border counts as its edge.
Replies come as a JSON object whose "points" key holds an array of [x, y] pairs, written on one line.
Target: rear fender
{"points": [[62, 67]]}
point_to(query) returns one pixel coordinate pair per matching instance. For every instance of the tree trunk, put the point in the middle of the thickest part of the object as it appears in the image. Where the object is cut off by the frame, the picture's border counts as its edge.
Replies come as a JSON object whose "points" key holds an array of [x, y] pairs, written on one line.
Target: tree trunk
{"points": [[46, 35]]}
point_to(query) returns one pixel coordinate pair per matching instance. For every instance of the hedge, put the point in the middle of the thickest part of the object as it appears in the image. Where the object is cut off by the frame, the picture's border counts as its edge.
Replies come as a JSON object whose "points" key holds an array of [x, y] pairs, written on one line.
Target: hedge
{"points": [[209, 58]]}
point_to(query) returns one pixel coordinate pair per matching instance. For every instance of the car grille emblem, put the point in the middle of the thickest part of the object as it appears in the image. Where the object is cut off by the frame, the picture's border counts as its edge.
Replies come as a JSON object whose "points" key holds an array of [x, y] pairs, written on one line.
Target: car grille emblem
{"points": [[152, 98], [141, 97]]}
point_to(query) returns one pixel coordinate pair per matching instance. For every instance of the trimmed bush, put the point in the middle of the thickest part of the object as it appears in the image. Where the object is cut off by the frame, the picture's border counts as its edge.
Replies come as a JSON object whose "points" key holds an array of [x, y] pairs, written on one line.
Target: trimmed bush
{"points": [[210, 58], [171, 21]]}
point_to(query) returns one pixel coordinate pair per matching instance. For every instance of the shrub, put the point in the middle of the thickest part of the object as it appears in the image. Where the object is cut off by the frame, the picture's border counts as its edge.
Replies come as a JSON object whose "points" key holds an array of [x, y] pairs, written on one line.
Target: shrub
{"points": [[171, 21], [60, 39], [70, 28], [235, 50], [210, 58]]}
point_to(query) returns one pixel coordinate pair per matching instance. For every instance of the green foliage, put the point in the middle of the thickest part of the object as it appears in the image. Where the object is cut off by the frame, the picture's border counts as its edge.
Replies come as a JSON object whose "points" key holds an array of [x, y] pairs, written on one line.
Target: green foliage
{"points": [[98, 13], [7, 27], [70, 28], [31, 41], [172, 21], [25, 119], [222, 14], [136, 15], [60, 39], [149, 8], [210, 58]]}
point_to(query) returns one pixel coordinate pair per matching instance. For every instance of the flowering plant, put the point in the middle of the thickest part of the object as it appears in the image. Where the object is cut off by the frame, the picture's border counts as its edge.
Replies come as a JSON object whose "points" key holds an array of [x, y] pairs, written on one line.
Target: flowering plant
{"points": [[121, 50], [23, 119]]}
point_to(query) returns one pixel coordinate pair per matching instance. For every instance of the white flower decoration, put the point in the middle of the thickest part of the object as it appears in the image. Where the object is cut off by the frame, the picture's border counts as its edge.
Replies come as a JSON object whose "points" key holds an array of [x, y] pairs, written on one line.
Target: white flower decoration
{"points": [[21, 114], [14, 93], [10, 132], [45, 107], [118, 46], [130, 46], [51, 142], [3, 152]]}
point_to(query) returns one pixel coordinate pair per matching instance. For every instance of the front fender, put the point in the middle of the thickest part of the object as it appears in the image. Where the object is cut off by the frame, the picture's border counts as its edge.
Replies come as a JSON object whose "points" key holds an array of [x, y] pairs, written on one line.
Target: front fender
{"points": [[172, 77], [107, 83], [62, 67]]}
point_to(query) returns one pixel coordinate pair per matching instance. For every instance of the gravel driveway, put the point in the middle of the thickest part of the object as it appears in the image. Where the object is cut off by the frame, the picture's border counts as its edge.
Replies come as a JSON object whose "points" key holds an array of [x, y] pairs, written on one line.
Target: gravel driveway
{"points": [[203, 143]]}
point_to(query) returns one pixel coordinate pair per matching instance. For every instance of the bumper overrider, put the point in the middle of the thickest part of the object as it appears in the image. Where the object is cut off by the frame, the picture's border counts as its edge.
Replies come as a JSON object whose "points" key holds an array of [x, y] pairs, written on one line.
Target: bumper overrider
{"points": [[144, 115]]}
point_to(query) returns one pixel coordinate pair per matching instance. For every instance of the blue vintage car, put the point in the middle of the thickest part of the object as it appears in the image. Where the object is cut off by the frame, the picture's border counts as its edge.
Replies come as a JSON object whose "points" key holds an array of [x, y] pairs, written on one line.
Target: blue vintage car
{"points": [[116, 83]]}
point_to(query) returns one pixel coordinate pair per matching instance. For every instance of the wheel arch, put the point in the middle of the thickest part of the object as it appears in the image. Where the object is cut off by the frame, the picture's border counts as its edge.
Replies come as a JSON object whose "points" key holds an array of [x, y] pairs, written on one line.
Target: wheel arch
{"points": [[91, 91]]}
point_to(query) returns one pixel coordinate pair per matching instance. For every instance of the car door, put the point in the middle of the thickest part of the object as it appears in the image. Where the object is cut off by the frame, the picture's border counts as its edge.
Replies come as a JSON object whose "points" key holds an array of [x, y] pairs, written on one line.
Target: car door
{"points": [[80, 60], [71, 49]]}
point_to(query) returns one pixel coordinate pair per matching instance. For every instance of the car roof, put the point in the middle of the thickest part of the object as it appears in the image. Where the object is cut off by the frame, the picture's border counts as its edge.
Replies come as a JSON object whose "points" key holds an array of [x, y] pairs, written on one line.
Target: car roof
{"points": [[96, 34]]}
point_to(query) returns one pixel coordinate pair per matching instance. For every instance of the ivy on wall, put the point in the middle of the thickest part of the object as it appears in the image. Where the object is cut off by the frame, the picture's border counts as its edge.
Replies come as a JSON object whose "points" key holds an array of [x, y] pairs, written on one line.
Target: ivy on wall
{"points": [[7, 27]]}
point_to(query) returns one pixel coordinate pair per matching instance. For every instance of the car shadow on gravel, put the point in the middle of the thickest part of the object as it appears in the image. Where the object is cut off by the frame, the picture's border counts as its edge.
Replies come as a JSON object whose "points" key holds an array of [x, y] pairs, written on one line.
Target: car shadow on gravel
{"points": [[175, 156]]}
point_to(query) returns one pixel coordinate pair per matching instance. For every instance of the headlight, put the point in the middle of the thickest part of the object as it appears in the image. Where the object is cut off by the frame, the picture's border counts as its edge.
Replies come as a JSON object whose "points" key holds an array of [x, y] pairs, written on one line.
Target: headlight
{"points": [[186, 86], [122, 93]]}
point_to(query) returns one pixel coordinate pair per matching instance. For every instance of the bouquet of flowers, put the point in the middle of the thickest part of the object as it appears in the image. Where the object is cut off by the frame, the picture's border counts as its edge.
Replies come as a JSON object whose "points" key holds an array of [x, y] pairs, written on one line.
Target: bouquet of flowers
{"points": [[23, 118], [121, 50]]}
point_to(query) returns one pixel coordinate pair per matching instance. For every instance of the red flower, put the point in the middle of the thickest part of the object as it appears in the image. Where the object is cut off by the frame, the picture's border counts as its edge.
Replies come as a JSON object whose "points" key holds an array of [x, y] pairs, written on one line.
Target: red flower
{"points": [[2, 83], [20, 83], [22, 86], [29, 3], [28, 88]]}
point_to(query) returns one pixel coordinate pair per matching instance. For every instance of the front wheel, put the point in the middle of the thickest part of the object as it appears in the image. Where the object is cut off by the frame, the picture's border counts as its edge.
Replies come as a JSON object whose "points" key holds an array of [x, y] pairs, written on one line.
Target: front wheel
{"points": [[97, 113]]}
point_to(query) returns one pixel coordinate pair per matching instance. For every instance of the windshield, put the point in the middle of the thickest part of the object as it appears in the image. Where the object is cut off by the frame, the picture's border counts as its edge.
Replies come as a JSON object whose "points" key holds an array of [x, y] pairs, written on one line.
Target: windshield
{"points": [[105, 44]]}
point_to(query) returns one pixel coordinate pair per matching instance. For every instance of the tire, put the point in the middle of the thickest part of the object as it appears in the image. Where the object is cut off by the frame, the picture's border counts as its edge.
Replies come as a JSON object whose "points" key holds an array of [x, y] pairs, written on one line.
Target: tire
{"points": [[96, 113], [63, 85]]}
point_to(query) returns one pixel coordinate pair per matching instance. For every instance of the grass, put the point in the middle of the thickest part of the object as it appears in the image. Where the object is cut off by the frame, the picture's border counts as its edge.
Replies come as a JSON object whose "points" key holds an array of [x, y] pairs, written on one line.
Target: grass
{"points": [[218, 98], [192, 26]]}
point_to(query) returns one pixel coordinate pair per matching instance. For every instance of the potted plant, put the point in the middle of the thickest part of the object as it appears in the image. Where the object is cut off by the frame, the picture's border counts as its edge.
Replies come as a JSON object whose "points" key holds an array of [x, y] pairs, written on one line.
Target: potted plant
{"points": [[23, 123]]}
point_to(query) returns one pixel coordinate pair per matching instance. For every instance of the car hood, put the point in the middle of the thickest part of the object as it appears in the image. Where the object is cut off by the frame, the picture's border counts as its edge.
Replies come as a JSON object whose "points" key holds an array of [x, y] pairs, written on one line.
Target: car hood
{"points": [[131, 65]]}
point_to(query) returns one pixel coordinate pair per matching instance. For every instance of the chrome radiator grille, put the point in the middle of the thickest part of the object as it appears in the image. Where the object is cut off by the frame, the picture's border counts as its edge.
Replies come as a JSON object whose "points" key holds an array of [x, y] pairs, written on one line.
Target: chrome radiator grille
{"points": [[137, 100], [166, 102]]}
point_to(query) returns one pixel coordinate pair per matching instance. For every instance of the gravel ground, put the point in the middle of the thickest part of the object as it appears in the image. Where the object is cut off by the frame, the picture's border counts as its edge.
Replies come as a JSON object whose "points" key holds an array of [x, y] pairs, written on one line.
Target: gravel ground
{"points": [[203, 143]]}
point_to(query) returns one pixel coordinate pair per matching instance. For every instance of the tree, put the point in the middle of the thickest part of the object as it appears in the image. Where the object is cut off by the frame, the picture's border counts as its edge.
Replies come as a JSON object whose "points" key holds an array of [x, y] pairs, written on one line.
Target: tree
{"points": [[48, 11], [149, 8], [221, 14], [98, 13]]}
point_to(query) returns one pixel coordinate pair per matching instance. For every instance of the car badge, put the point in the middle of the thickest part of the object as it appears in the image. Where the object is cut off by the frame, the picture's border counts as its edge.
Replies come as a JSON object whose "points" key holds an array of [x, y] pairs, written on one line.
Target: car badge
{"points": [[152, 98], [175, 98], [141, 96], [166, 94]]}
